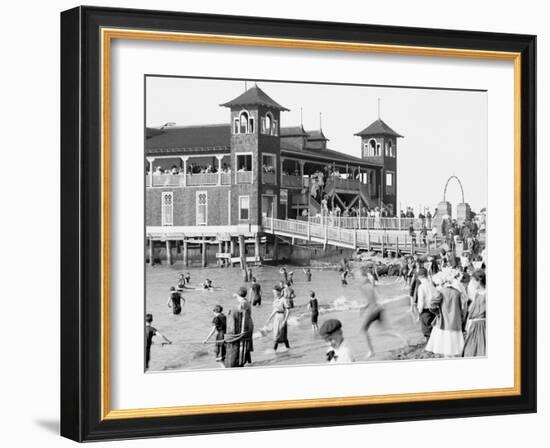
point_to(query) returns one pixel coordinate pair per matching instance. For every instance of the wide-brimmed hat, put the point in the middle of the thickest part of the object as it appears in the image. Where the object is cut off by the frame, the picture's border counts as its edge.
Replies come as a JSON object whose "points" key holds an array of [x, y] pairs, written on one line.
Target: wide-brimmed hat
{"points": [[329, 326]]}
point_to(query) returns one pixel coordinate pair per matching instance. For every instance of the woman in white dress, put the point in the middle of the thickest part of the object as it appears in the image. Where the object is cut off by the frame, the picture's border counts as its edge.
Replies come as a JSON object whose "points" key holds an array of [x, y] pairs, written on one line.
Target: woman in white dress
{"points": [[447, 338]]}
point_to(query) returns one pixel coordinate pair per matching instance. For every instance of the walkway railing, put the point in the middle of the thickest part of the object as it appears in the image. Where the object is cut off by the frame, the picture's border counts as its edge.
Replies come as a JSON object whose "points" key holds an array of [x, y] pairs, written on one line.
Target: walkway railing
{"points": [[353, 222], [374, 239]]}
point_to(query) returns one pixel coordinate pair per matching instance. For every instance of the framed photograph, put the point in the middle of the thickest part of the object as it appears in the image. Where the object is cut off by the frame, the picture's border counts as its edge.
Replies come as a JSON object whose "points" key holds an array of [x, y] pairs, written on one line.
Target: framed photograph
{"points": [[277, 224]]}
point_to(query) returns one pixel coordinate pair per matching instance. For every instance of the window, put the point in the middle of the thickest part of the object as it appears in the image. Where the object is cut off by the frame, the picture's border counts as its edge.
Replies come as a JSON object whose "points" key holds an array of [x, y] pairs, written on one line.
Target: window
{"points": [[389, 149], [243, 123], [251, 125], [275, 128], [202, 208], [236, 126], [390, 180], [267, 123], [244, 208], [167, 208], [244, 162]]}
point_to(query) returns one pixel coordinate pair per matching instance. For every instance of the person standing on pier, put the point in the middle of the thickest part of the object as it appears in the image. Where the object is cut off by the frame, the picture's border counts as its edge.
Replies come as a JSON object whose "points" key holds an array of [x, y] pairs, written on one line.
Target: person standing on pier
{"points": [[255, 293], [279, 316], [175, 300], [308, 274], [240, 327]]}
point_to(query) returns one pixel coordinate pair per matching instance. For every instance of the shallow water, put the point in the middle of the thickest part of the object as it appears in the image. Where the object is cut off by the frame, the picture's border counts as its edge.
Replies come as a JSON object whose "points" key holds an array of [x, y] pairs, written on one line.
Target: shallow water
{"points": [[188, 329]]}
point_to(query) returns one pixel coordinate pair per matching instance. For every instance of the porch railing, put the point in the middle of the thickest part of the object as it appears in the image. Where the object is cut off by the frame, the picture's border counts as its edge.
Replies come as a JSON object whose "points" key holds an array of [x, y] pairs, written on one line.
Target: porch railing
{"points": [[288, 180], [244, 177], [269, 178]]}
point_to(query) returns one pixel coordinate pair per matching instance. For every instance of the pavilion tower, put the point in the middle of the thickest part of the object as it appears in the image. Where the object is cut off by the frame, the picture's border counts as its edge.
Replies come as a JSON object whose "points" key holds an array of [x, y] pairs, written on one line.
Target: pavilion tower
{"points": [[255, 155], [379, 147]]}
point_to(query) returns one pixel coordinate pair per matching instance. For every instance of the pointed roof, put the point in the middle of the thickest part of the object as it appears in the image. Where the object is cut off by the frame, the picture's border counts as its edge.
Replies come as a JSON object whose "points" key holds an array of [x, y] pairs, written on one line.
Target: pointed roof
{"points": [[317, 135], [254, 97], [378, 127]]}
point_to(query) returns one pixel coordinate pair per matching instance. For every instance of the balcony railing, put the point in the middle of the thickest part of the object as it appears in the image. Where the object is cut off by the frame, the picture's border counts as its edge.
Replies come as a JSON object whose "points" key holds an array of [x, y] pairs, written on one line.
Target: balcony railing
{"points": [[168, 180], [269, 178], [226, 178], [244, 177], [191, 180], [289, 180], [202, 179]]}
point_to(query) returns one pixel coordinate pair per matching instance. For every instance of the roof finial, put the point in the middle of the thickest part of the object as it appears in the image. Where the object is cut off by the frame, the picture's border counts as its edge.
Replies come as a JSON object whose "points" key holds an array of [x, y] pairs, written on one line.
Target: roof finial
{"points": [[320, 121], [379, 108], [245, 86], [301, 117]]}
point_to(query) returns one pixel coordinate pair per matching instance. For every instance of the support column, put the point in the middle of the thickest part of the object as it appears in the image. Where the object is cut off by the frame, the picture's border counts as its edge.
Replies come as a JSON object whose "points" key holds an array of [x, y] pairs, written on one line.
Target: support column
{"points": [[275, 248], [151, 251], [168, 253], [302, 163], [184, 159], [219, 157], [257, 247], [185, 253], [203, 253], [231, 246], [242, 252], [150, 160]]}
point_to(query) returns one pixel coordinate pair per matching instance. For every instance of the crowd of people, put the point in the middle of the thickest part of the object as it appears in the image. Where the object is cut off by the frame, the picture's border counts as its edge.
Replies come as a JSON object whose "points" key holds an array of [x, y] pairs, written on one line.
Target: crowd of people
{"points": [[447, 299], [192, 168]]}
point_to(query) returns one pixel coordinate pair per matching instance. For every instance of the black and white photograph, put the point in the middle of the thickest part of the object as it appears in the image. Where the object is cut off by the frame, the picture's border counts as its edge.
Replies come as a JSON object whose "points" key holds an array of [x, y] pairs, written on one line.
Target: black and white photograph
{"points": [[291, 223]]}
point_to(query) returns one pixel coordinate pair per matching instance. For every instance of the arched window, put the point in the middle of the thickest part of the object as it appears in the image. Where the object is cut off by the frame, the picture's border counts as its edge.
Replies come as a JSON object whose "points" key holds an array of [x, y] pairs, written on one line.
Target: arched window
{"points": [[243, 123], [389, 149], [372, 147], [268, 123]]}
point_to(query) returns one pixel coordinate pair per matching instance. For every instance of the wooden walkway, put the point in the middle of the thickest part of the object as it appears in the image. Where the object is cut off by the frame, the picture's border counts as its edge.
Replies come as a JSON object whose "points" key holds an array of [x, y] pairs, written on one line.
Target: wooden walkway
{"points": [[372, 240]]}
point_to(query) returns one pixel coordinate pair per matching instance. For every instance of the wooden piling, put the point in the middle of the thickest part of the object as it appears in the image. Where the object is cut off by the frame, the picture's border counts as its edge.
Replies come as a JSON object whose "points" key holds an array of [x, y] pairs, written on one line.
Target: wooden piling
{"points": [[168, 253], [151, 251], [242, 252], [257, 247], [203, 253], [231, 247], [185, 253], [275, 248]]}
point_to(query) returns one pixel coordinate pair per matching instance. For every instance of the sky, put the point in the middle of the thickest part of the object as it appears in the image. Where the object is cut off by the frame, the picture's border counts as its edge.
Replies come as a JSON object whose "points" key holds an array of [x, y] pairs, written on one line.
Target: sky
{"points": [[445, 131]]}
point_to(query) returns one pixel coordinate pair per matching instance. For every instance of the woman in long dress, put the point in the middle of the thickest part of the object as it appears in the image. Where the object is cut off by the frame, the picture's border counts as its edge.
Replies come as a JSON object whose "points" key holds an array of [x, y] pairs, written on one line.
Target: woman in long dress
{"points": [[279, 316], [475, 343], [446, 338], [238, 336]]}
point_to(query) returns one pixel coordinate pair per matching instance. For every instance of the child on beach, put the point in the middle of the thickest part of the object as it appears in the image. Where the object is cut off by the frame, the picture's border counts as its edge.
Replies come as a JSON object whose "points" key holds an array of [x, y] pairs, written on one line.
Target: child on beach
{"points": [[151, 331], [175, 300], [181, 282], [284, 273], [187, 278], [313, 307], [207, 284], [219, 326], [308, 274], [289, 295], [255, 293], [344, 277], [339, 351], [291, 277]]}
